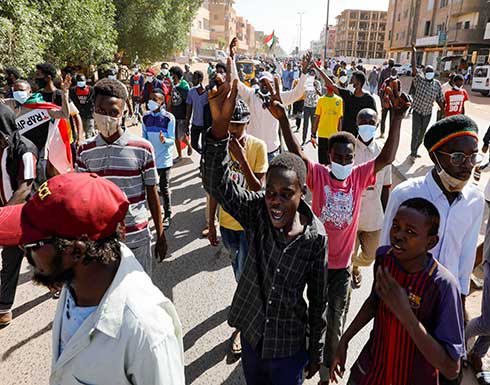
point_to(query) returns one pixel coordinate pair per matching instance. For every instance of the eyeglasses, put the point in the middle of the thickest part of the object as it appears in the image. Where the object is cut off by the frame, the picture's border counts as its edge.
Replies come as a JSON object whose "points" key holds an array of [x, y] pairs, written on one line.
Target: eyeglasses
{"points": [[459, 158], [28, 247]]}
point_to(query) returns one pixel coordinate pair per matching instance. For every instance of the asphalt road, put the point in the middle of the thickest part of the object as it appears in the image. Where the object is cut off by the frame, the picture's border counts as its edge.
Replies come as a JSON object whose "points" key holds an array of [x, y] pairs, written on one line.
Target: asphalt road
{"points": [[195, 276]]}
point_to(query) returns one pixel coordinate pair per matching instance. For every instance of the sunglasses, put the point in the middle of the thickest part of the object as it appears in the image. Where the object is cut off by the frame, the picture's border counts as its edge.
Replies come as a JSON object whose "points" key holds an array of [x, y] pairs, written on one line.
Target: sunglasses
{"points": [[459, 158]]}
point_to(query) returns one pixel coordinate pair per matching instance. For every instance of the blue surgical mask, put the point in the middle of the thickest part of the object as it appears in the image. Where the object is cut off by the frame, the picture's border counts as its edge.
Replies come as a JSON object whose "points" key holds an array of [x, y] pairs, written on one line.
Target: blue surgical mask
{"points": [[341, 172], [81, 84], [366, 132], [430, 75], [21, 96], [153, 106]]}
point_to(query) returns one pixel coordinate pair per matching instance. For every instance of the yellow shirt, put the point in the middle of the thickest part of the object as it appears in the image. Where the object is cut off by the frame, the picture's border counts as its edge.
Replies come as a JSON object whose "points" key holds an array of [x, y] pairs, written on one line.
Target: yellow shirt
{"points": [[331, 110], [256, 153]]}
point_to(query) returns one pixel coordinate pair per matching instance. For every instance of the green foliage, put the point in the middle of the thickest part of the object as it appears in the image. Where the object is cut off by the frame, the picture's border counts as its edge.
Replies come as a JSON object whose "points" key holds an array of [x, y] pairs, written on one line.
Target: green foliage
{"points": [[82, 31], [23, 35], [153, 29]]}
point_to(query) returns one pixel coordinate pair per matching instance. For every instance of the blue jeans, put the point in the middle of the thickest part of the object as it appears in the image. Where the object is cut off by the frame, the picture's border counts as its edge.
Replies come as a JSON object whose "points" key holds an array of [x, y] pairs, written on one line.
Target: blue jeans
{"points": [[273, 154], [236, 244], [278, 371]]}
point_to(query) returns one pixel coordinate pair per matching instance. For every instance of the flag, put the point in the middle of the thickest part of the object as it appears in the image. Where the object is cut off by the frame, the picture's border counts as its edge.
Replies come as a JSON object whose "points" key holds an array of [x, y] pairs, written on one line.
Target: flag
{"points": [[270, 40], [58, 142]]}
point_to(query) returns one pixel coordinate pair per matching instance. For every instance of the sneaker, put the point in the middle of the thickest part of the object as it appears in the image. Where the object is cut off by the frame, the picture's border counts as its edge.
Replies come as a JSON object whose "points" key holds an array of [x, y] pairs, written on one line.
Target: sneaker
{"points": [[177, 160], [5, 319], [205, 232], [166, 222], [189, 150]]}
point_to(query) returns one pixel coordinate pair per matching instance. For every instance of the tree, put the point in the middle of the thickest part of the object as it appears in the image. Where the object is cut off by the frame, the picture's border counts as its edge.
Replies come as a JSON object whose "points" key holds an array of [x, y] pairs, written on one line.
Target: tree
{"points": [[24, 36], [153, 29], [82, 31]]}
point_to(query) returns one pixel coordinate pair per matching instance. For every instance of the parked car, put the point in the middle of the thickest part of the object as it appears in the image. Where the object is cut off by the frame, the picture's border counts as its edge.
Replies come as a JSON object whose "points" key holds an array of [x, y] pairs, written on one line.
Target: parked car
{"points": [[406, 69], [481, 80]]}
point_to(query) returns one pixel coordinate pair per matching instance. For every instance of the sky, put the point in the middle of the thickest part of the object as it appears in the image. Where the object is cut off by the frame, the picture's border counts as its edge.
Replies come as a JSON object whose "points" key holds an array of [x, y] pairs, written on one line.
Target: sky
{"points": [[282, 16]]}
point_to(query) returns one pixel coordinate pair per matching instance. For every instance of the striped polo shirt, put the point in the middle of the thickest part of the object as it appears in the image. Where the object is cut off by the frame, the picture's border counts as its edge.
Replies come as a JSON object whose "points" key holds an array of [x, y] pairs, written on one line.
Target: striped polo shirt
{"points": [[391, 357], [129, 162]]}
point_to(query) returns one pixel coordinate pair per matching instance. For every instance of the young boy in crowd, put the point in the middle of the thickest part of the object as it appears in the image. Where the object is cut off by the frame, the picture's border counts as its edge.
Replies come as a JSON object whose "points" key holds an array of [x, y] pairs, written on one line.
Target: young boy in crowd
{"points": [[374, 198], [416, 306], [287, 251], [158, 127], [248, 165], [336, 201], [455, 97]]}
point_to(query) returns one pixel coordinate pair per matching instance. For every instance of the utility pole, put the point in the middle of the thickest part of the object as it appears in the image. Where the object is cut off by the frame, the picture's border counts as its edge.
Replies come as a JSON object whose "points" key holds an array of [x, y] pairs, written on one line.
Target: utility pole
{"points": [[326, 33], [300, 29]]}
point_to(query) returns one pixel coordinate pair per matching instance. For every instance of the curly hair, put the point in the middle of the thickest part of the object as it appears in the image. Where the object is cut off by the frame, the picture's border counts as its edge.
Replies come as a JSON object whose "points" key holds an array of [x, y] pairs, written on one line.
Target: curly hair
{"points": [[290, 161], [47, 69], [103, 251], [112, 88]]}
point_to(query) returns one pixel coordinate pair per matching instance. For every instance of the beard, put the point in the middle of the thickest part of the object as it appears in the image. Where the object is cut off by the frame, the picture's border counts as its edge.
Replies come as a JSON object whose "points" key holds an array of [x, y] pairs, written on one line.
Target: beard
{"points": [[58, 276]]}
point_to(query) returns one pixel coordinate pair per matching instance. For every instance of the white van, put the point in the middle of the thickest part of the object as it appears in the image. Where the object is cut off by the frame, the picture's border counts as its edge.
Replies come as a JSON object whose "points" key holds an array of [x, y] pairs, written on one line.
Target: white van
{"points": [[481, 80]]}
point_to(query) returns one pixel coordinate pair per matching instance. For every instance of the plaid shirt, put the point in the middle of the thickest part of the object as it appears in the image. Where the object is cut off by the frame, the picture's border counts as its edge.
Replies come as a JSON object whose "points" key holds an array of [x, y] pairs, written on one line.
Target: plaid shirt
{"points": [[426, 93], [268, 307]]}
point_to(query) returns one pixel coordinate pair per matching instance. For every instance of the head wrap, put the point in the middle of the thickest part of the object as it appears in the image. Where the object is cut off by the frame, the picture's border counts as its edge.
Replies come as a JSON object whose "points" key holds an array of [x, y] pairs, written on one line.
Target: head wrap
{"points": [[449, 128]]}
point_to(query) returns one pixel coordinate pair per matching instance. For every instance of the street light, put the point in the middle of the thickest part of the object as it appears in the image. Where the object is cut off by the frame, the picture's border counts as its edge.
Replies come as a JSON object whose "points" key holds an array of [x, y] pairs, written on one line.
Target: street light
{"points": [[300, 29], [326, 33]]}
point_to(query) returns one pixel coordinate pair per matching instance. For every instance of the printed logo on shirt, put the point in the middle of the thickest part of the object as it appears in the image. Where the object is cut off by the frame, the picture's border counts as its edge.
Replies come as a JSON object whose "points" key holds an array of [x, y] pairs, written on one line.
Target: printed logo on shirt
{"points": [[338, 209], [414, 300]]}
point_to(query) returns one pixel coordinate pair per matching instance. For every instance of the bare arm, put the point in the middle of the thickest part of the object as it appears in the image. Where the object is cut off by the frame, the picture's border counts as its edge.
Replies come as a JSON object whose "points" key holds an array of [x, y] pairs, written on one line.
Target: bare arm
{"points": [[156, 213], [328, 82], [414, 61], [213, 206], [315, 127], [79, 126], [188, 115], [20, 195]]}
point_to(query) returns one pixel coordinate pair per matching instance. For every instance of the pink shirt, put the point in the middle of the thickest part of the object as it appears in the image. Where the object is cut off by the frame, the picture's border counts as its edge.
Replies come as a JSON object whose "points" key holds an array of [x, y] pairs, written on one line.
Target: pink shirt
{"points": [[337, 205]]}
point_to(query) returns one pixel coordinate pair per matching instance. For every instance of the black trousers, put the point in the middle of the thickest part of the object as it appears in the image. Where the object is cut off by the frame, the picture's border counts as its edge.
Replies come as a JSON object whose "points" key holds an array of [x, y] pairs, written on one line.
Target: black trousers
{"points": [[323, 157], [384, 114], [9, 276], [197, 132], [164, 175]]}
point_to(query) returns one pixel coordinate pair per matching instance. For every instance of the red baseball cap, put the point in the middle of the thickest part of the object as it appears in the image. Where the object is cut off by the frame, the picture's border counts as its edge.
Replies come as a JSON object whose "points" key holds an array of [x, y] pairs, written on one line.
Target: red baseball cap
{"points": [[66, 206], [150, 71]]}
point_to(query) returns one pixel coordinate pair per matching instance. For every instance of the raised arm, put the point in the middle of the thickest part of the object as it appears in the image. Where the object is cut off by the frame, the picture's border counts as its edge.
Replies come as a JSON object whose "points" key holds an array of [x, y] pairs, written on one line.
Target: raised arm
{"points": [[289, 97], [245, 92], [278, 111], [328, 82], [414, 61], [388, 153], [64, 113]]}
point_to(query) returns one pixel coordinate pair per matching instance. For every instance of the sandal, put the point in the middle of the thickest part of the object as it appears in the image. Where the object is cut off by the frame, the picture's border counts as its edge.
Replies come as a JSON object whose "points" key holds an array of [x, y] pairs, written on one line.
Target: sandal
{"points": [[236, 343], [356, 278]]}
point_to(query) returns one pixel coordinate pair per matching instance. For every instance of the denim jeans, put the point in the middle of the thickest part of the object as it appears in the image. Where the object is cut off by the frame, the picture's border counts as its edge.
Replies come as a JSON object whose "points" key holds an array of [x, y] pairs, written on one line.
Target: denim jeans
{"points": [[273, 154], [338, 284], [278, 371], [9, 276], [236, 244], [419, 126], [309, 117]]}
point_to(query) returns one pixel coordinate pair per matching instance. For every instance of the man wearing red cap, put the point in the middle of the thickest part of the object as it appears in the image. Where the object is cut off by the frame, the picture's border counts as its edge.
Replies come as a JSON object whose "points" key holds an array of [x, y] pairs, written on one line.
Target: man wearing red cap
{"points": [[112, 325]]}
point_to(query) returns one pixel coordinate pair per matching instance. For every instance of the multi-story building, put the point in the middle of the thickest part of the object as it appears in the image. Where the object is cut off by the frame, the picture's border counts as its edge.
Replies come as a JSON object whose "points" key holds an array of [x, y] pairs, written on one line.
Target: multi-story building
{"points": [[200, 34], [250, 38], [317, 47], [223, 21], [241, 34], [438, 28], [260, 46], [360, 34]]}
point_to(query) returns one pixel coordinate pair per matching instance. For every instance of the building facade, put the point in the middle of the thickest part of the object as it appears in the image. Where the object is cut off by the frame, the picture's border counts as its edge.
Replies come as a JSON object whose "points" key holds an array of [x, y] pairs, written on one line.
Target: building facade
{"points": [[439, 29], [200, 34], [360, 34], [317, 47], [223, 21]]}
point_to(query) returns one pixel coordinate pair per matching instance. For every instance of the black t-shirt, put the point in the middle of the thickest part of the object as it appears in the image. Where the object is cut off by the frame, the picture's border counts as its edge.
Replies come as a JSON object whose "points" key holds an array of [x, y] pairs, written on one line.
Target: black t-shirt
{"points": [[352, 105], [83, 98], [179, 105]]}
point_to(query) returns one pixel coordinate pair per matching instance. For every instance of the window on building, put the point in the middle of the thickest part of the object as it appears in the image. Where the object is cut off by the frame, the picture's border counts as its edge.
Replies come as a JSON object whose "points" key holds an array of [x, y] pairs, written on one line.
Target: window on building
{"points": [[398, 17], [389, 35], [467, 25], [405, 13], [427, 28], [397, 35], [443, 3], [459, 25], [215, 17], [441, 28]]}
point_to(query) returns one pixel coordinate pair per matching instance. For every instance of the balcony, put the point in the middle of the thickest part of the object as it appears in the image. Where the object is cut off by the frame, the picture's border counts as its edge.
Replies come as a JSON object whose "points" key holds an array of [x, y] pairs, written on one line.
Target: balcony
{"points": [[466, 36], [460, 7], [426, 41]]}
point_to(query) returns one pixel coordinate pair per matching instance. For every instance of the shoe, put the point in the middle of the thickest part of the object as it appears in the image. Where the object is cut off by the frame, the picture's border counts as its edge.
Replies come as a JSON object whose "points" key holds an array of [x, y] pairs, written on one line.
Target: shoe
{"points": [[177, 160], [166, 222], [5, 319], [189, 150], [205, 232], [236, 343]]}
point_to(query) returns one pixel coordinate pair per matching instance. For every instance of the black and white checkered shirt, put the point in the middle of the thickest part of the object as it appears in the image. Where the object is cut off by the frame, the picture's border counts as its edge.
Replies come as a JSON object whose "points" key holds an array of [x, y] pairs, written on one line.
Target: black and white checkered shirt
{"points": [[426, 93], [268, 307]]}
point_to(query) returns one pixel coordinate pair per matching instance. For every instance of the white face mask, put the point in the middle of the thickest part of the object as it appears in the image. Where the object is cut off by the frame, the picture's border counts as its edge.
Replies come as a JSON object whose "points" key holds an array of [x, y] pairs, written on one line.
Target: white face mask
{"points": [[106, 125], [153, 106], [341, 172], [164, 72], [456, 88], [149, 79], [449, 182], [430, 75], [111, 77], [21, 96], [81, 84], [135, 71], [343, 79], [366, 132]]}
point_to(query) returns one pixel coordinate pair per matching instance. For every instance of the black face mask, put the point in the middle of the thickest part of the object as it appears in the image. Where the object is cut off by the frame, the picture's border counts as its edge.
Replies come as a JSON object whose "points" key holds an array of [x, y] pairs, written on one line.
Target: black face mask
{"points": [[41, 82]]}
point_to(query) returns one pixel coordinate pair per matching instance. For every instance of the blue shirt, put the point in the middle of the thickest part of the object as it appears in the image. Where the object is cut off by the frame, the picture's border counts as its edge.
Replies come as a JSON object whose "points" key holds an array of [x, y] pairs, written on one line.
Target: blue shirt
{"points": [[198, 101], [287, 79], [153, 124]]}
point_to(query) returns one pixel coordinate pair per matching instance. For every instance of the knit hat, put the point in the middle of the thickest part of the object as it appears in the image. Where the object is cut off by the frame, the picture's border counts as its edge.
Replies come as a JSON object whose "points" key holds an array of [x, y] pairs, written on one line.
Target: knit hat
{"points": [[241, 114], [449, 128]]}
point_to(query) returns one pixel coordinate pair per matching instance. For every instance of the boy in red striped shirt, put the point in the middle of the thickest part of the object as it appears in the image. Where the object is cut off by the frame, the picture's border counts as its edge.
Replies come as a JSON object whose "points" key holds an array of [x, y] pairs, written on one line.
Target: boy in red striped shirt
{"points": [[416, 306]]}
